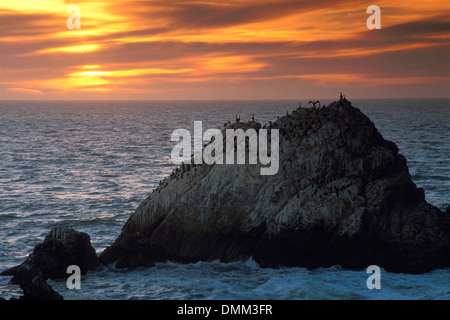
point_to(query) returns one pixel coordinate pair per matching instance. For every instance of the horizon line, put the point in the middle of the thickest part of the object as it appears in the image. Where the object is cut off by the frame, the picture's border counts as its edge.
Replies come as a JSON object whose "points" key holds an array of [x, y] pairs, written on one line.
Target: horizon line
{"points": [[243, 99]]}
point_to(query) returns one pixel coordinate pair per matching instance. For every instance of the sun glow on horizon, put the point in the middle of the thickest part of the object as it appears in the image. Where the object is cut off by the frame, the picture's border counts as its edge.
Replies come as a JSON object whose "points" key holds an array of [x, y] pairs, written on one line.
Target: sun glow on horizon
{"points": [[240, 48]]}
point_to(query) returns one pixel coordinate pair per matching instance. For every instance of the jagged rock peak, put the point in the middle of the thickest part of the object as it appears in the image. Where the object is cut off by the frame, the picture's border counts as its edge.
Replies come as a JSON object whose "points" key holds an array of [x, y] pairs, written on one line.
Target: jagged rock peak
{"points": [[62, 233], [342, 195]]}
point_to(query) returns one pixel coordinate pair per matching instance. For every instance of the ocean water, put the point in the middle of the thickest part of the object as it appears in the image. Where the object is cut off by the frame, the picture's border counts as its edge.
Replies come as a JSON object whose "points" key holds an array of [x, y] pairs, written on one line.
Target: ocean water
{"points": [[88, 165]]}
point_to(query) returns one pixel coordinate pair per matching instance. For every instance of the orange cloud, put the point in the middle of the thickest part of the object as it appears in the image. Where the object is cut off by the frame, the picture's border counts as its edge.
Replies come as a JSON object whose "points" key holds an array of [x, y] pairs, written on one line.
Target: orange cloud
{"points": [[83, 48], [25, 90], [361, 80], [133, 46]]}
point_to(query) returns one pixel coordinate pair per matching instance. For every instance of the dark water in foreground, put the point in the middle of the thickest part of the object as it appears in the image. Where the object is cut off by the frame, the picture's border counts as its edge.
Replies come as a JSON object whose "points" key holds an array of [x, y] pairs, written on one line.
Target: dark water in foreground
{"points": [[89, 164]]}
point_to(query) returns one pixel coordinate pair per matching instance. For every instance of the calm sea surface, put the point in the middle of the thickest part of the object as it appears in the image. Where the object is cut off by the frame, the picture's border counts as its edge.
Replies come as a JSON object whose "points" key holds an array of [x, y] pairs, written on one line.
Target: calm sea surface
{"points": [[88, 165]]}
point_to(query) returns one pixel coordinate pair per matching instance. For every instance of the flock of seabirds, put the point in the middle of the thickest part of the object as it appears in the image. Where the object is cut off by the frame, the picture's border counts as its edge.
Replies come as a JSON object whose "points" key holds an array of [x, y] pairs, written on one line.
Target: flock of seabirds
{"points": [[186, 167], [312, 102]]}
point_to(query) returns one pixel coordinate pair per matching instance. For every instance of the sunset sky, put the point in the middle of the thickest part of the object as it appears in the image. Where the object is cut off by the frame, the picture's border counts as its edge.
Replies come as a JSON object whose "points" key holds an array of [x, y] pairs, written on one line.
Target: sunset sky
{"points": [[223, 50]]}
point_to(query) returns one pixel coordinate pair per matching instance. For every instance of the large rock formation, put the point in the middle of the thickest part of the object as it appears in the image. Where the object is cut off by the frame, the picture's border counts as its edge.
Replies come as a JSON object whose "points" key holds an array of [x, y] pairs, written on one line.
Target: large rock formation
{"points": [[342, 195], [61, 248]]}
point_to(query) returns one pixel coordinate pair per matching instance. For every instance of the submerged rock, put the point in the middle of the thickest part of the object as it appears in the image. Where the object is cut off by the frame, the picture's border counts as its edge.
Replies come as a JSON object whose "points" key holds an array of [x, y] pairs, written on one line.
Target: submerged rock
{"points": [[61, 248], [342, 195], [33, 284]]}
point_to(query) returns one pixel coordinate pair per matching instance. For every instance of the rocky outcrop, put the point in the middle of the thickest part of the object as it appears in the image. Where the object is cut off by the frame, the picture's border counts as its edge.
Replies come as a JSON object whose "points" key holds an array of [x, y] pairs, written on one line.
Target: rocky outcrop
{"points": [[342, 195], [61, 248], [33, 284]]}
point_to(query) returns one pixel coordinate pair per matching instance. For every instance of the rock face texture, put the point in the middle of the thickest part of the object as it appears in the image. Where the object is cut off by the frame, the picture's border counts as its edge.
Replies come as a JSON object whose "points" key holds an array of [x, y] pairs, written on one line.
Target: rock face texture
{"points": [[342, 195], [33, 284], [61, 248]]}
